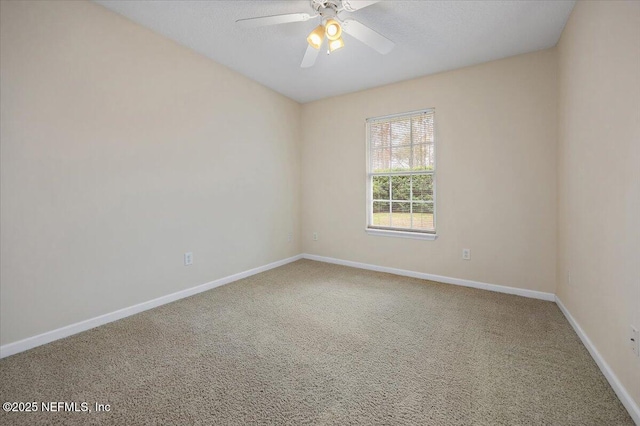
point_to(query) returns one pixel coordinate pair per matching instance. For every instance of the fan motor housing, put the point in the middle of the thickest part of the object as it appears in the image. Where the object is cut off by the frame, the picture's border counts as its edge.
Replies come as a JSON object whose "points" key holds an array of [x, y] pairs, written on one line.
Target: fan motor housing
{"points": [[327, 9]]}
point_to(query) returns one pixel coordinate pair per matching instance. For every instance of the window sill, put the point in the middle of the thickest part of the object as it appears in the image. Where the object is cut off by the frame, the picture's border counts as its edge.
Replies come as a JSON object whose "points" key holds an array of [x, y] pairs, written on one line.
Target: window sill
{"points": [[401, 234]]}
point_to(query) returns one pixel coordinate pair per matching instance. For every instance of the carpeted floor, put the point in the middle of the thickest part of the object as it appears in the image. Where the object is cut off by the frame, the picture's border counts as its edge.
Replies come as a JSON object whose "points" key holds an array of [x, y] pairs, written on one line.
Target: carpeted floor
{"points": [[313, 343]]}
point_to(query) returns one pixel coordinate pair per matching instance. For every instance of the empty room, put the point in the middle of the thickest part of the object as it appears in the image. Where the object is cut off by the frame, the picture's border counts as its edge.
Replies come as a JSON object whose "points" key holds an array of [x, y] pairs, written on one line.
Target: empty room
{"points": [[319, 212]]}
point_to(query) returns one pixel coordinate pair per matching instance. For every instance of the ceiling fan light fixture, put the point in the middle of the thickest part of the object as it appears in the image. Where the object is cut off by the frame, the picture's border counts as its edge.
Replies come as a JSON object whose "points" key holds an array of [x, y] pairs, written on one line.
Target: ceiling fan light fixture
{"points": [[336, 44], [315, 37], [333, 23], [333, 29]]}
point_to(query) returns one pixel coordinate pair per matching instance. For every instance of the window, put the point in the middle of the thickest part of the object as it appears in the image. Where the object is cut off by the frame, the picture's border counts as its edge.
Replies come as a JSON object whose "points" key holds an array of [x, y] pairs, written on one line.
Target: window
{"points": [[401, 175]]}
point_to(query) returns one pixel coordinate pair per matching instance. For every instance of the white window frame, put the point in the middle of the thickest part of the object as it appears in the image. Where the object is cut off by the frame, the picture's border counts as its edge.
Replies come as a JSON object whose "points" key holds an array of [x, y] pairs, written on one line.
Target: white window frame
{"points": [[399, 232]]}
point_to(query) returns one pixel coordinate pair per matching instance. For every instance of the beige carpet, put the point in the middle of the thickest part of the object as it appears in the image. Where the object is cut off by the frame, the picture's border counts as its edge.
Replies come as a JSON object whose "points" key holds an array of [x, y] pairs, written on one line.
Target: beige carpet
{"points": [[313, 343]]}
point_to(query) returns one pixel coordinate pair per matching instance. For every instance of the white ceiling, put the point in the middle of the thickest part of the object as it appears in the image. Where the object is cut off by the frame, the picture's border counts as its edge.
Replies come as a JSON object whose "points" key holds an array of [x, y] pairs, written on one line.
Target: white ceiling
{"points": [[430, 37]]}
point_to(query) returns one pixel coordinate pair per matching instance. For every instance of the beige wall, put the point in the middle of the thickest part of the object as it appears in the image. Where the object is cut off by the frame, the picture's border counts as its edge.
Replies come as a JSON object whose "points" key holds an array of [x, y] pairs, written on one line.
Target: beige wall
{"points": [[121, 151], [599, 178], [496, 178]]}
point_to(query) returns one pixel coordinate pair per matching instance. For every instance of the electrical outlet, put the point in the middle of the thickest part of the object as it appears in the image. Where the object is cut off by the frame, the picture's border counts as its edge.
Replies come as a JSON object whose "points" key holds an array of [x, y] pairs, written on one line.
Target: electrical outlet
{"points": [[290, 236], [188, 259], [466, 254], [315, 236], [634, 340]]}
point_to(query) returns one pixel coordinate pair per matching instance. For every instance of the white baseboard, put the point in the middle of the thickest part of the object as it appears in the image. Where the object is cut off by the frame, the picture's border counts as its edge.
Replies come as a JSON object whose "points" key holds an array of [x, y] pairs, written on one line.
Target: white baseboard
{"points": [[621, 392], [439, 278], [50, 336]]}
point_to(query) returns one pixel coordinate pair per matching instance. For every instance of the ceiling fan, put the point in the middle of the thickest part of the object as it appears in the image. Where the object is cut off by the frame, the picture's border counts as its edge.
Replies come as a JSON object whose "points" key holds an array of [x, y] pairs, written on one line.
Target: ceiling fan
{"points": [[332, 24]]}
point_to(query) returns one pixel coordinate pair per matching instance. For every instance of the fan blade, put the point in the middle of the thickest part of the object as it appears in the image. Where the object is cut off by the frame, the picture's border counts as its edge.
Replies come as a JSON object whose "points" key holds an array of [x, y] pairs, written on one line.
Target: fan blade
{"points": [[353, 5], [310, 57], [273, 20], [367, 36]]}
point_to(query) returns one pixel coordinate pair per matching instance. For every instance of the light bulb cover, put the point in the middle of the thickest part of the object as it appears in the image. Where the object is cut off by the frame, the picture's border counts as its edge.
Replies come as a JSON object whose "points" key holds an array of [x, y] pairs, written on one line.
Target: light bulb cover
{"points": [[316, 36], [333, 29], [336, 44]]}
